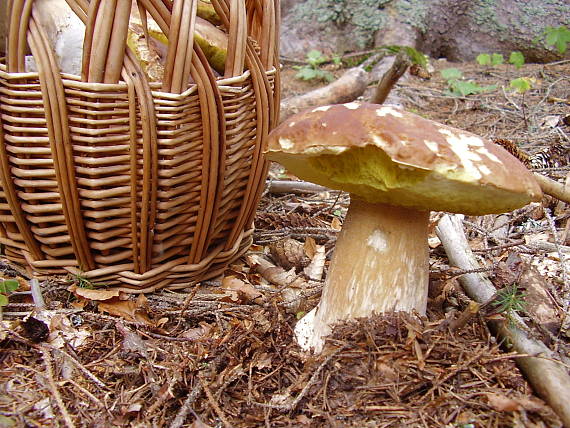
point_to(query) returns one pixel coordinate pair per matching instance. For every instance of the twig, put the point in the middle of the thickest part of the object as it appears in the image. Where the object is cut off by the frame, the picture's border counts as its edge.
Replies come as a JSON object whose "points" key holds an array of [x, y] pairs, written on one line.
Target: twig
{"points": [[53, 389], [553, 188], [37, 294], [547, 378], [389, 79], [186, 408], [470, 311], [288, 186], [213, 402]]}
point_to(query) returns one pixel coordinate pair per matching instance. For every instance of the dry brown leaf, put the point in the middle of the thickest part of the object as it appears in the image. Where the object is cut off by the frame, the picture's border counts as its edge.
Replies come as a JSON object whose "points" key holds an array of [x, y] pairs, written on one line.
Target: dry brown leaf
{"points": [[316, 268], [310, 247], [93, 294], [197, 333], [336, 224], [245, 291], [126, 309], [502, 403], [262, 361]]}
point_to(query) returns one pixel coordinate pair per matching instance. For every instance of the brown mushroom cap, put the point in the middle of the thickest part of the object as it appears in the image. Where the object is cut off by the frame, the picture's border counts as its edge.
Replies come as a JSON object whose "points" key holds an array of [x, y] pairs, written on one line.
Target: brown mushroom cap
{"points": [[385, 154]]}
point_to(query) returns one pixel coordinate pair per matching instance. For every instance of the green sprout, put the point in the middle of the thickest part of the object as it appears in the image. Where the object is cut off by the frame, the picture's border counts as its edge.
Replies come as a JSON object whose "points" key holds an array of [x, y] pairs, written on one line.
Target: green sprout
{"points": [[462, 88], [490, 60], [7, 286], [558, 37], [311, 70], [517, 59], [510, 300]]}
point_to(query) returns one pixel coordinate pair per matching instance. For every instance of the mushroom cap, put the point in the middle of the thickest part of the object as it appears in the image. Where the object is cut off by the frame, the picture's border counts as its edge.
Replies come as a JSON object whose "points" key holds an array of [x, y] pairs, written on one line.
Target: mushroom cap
{"points": [[385, 154]]}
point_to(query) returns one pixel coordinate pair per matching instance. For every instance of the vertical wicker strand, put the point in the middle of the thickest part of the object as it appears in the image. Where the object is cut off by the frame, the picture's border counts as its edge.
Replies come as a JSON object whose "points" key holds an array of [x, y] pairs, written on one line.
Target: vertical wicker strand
{"points": [[88, 40], [149, 160], [134, 166], [209, 162], [101, 39], [50, 97], [236, 39], [173, 37], [217, 157], [118, 41], [79, 238]]}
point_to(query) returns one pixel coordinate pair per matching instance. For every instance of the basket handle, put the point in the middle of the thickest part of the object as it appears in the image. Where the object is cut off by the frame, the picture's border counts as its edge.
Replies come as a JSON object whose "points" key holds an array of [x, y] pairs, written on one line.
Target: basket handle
{"points": [[180, 46], [233, 15]]}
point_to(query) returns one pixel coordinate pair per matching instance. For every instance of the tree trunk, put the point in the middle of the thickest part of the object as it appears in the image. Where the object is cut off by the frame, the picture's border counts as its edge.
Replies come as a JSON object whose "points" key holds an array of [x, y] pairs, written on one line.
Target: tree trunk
{"points": [[455, 29]]}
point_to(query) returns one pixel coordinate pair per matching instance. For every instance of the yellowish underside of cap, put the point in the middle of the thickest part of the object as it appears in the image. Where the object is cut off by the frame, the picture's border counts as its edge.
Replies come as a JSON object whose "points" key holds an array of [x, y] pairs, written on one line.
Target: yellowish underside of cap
{"points": [[370, 174]]}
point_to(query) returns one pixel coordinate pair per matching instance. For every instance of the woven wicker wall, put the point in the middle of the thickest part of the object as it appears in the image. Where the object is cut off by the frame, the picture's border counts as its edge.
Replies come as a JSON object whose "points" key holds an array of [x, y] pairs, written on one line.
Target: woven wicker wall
{"points": [[127, 182]]}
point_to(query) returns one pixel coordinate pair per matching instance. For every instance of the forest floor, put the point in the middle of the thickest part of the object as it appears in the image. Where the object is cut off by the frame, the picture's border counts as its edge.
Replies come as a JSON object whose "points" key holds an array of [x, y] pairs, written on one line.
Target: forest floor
{"points": [[223, 353]]}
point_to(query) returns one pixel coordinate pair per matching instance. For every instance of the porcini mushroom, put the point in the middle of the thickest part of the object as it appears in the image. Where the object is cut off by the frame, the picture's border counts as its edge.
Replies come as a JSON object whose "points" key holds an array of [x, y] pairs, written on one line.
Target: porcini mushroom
{"points": [[397, 166]]}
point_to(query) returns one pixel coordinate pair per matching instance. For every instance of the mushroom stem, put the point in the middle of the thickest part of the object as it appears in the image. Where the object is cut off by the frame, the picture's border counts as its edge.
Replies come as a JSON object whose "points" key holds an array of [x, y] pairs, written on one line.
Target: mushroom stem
{"points": [[380, 264]]}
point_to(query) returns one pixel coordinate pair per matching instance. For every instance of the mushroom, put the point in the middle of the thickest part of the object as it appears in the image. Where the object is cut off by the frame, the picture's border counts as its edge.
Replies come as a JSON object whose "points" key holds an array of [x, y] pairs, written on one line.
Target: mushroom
{"points": [[397, 166]]}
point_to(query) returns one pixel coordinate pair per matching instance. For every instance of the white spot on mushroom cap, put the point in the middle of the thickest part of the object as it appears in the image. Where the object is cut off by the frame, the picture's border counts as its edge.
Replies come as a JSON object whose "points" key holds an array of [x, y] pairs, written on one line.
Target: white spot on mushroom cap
{"points": [[324, 124], [377, 240], [286, 144], [432, 145], [321, 108], [484, 169], [386, 110], [352, 106], [292, 124], [487, 153], [463, 146]]}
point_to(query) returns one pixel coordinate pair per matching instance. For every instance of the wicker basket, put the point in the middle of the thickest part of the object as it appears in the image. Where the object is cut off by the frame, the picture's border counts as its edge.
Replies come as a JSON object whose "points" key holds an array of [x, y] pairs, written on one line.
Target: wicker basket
{"points": [[127, 183]]}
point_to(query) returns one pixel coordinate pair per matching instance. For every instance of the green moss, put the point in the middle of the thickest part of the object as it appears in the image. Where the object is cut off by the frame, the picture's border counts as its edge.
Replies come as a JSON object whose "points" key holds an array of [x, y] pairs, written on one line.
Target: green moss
{"points": [[364, 16], [414, 13]]}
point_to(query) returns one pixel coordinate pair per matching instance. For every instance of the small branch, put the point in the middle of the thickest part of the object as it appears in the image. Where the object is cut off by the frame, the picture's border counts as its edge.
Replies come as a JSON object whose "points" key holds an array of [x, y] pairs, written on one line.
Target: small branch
{"points": [[53, 389], [470, 311], [553, 188], [288, 186], [399, 67], [213, 402], [37, 294], [186, 408]]}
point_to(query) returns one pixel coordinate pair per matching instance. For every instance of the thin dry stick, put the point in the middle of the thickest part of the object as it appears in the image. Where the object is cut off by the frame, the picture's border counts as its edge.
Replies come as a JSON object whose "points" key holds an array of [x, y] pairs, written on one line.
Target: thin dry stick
{"points": [[470, 311], [186, 408], [213, 402], [53, 389], [553, 188], [401, 64]]}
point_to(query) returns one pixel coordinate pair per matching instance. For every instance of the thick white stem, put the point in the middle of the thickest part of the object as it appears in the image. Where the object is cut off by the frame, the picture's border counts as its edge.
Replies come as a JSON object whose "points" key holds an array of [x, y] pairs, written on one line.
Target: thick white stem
{"points": [[380, 264]]}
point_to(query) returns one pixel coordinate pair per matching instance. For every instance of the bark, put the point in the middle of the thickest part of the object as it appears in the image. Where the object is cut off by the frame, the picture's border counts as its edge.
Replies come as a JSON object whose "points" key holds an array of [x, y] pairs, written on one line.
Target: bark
{"points": [[347, 88], [553, 188], [455, 29], [548, 377]]}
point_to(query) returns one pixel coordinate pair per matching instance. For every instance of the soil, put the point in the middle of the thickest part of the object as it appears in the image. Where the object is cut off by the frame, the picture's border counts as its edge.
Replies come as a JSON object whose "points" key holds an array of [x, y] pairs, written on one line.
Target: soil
{"points": [[223, 353]]}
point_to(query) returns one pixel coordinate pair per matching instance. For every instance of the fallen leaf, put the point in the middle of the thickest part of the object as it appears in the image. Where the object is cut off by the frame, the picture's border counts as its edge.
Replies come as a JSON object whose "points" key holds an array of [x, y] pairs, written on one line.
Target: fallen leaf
{"points": [[502, 403], [126, 309], [245, 291], [316, 268], [310, 247], [93, 293], [262, 361], [336, 224], [197, 333]]}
